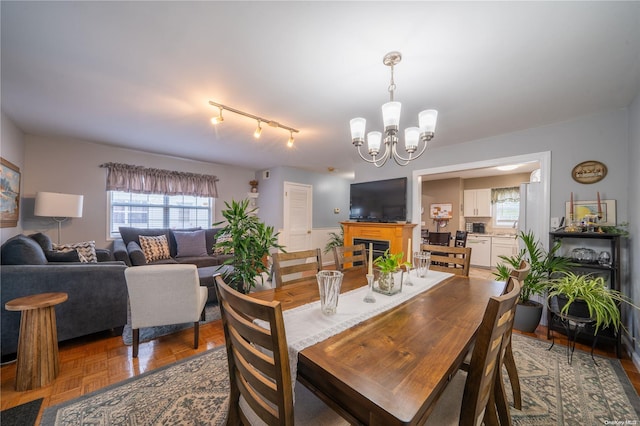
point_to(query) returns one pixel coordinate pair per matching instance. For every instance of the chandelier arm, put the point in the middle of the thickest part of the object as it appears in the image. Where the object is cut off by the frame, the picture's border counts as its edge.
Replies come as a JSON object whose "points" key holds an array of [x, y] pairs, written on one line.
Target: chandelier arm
{"points": [[375, 160], [411, 156], [401, 161]]}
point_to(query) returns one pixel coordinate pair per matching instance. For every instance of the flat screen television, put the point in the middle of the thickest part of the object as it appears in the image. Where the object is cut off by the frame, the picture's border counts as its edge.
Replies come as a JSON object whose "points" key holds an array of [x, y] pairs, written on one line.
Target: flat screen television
{"points": [[379, 201]]}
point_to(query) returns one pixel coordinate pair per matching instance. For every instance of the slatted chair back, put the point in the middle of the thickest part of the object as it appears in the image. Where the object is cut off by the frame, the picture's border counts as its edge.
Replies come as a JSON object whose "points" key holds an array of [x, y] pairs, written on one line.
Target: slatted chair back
{"points": [[522, 272], [439, 238], [479, 399], [259, 373], [455, 260], [295, 267], [461, 239], [347, 257]]}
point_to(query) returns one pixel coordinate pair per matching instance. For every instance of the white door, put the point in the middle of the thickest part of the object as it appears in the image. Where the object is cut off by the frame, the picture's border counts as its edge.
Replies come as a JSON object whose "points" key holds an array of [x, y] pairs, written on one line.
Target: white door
{"points": [[297, 216]]}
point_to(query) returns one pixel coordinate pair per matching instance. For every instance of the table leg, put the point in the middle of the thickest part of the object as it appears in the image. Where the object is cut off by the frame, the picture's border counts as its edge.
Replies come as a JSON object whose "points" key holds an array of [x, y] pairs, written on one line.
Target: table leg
{"points": [[38, 362]]}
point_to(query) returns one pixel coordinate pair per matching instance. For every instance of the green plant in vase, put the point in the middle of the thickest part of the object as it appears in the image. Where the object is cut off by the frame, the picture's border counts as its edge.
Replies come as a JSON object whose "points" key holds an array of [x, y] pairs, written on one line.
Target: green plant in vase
{"points": [[602, 303], [249, 240], [388, 264]]}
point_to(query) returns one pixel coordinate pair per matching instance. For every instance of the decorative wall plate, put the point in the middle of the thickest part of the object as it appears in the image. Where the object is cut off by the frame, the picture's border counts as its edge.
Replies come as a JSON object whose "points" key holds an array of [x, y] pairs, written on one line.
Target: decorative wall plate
{"points": [[589, 172]]}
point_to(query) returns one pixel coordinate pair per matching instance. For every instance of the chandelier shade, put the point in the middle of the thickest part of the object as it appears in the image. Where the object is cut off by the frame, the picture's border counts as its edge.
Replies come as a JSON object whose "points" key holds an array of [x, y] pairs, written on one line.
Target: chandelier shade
{"points": [[414, 137]]}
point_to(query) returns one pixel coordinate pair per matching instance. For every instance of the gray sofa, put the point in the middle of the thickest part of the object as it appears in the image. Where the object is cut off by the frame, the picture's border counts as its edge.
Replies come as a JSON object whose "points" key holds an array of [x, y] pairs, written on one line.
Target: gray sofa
{"points": [[209, 263], [97, 291]]}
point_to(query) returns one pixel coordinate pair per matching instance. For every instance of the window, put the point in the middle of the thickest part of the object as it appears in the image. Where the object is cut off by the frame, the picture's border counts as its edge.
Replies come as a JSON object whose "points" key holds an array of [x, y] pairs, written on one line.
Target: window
{"points": [[158, 211], [506, 206]]}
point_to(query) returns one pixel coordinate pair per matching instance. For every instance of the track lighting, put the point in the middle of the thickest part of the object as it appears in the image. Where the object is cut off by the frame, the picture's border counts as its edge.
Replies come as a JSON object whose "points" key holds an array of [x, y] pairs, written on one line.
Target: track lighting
{"points": [[219, 118], [291, 140], [260, 120], [258, 131]]}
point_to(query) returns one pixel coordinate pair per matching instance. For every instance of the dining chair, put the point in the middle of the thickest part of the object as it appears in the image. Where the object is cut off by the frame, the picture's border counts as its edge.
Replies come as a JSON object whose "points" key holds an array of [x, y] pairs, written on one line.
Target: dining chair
{"points": [[164, 295], [455, 260], [439, 238], [295, 267], [347, 257], [461, 239], [261, 389], [481, 396], [519, 275]]}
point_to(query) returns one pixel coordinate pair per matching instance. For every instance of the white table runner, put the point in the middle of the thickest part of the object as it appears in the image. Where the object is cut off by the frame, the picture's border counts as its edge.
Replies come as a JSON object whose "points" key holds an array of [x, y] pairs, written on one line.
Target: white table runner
{"points": [[306, 325]]}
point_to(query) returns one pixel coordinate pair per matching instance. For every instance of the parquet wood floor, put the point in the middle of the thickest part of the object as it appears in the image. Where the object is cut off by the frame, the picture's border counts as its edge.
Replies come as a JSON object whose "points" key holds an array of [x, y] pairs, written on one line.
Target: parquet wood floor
{"points": [[94, 362]]}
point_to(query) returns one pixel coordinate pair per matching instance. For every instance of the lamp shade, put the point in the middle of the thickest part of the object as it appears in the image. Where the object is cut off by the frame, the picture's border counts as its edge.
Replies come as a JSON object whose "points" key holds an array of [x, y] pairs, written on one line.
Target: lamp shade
{"points": [[391, 114], [357, 128], [427, 120], [54, 204]]}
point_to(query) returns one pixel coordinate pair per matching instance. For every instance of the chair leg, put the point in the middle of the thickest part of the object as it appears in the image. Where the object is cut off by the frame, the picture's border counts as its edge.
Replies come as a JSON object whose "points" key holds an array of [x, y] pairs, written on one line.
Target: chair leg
{"points": [[510, 364], [136, 341], [500, 400], [196, 334]]}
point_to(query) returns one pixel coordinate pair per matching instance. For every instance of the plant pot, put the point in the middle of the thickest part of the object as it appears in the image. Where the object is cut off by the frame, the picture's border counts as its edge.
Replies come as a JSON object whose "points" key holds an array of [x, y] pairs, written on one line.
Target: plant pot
{"points": [[387, 282], [527, 316], [578, 307]]}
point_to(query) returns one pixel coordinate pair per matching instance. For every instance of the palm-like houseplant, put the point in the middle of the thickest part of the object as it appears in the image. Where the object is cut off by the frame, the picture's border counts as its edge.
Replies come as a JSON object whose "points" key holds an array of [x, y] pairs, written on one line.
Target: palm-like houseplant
{"points": [[602, 303], [249, 240], [543, 264], [335, 240]]}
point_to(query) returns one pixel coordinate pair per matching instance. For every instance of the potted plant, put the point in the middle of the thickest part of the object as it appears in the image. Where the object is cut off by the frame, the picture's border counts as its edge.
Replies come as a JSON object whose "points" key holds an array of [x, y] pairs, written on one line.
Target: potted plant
{"points": [[388, 264], [529, 312], [588, 296], [335, 240], [249, 240]]}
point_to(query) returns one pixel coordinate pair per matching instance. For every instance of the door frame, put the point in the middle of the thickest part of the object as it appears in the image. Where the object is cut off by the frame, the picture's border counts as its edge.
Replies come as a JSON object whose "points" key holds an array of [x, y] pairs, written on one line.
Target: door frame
{"points": [[544, 159]]}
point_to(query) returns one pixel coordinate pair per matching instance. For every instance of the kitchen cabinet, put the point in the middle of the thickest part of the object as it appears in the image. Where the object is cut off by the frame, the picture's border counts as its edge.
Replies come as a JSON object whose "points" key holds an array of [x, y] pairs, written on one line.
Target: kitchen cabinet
{"points": [[480, 250], [502, 246], [611, 272], [477, 202]]}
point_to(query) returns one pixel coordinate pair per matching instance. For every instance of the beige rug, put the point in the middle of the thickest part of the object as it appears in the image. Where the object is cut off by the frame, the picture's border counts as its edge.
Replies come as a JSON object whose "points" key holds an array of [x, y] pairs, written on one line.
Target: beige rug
{"points": [[194, 392]]}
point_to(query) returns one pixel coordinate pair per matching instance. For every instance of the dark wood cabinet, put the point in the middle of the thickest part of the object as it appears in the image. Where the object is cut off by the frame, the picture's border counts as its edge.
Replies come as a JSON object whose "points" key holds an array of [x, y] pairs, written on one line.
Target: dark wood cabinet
{"points": [[611, 272]]}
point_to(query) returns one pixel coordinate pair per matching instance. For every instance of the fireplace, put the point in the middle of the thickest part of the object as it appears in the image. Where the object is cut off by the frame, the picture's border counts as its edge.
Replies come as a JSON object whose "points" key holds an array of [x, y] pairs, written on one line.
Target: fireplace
{"points": [[392, 236], [379, 246]]}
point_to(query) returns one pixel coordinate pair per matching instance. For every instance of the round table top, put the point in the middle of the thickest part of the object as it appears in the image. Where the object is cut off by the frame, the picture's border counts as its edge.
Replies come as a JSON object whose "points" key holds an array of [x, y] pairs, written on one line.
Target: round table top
{"points": [[35, 301]]}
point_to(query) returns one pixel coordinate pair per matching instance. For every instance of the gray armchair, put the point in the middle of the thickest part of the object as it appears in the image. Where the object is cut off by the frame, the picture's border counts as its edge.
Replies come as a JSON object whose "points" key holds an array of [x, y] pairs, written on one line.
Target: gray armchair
{"points": [[164, 295]]}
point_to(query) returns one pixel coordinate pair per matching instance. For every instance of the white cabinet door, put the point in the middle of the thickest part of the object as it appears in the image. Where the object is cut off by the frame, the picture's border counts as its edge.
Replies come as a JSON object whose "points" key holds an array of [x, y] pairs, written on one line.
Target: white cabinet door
{"points": [[477, 202], [480, 250], [502, 246]]}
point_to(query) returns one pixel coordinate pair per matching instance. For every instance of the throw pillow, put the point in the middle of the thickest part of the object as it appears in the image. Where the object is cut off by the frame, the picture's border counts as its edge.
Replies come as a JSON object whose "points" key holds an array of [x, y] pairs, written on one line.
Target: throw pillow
{"points": [[190, 243], [86, 250], [220, 239], [155, 248]]}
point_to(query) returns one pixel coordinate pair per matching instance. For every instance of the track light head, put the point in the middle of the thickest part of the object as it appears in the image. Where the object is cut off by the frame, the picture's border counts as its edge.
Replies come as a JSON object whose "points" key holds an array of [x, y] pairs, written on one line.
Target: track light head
{"points": [[291, 140], [218, 119], [258, 131]]}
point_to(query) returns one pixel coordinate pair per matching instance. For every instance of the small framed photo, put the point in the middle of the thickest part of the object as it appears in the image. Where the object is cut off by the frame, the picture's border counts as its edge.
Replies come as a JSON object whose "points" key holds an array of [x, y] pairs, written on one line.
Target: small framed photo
{"points": [[10, 201], [581, 209], [441, 211]]}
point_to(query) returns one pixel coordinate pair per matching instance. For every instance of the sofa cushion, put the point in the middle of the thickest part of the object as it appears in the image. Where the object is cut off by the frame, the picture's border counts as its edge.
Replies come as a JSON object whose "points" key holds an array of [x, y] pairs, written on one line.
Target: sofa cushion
{"points": [[210, 236], [22, 250], [43, 239], [129, 234], [136, 254], [62, 256], [155, 248], [190, 243], [86, 250]]}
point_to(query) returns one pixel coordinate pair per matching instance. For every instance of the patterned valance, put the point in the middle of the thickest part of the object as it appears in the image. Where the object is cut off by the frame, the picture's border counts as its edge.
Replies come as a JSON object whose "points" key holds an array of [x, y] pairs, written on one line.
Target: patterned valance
{"points": [[143, 180], [499, 195]]}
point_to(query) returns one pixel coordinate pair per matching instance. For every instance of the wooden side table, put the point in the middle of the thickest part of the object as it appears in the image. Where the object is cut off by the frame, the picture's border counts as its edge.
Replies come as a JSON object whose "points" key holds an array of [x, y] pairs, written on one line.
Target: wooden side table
{"points": [[38, 361]]}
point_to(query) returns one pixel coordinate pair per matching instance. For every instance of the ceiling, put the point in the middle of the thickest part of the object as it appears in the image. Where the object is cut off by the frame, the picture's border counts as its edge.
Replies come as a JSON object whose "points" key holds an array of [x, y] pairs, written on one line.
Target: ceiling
{"points": [[140, 74]]}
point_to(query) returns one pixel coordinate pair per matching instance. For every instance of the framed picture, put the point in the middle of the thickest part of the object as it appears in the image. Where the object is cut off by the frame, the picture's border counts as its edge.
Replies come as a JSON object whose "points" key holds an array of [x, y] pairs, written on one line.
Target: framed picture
{"points": [[10, 202], [590, 208], [441, 211]]}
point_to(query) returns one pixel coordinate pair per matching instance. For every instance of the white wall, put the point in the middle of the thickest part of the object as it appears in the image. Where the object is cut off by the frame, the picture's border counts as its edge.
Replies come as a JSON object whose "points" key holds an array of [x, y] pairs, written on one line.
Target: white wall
{"points": [[633, 324], [12, 150], [72, 166]]}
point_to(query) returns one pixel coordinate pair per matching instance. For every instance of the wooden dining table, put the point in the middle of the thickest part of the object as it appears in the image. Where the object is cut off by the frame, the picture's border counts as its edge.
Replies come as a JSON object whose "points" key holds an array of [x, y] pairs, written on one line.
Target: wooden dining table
{"points": [[391, 368]]}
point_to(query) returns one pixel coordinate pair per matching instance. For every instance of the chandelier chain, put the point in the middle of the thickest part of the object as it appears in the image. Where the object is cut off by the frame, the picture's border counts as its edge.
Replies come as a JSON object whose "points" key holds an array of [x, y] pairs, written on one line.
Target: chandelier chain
{"points": [[392, 85]]}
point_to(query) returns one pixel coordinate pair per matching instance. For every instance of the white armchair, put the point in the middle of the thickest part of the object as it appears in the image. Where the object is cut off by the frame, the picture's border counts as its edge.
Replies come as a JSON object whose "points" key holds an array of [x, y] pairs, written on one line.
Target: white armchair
{"points": [[164, 295]]}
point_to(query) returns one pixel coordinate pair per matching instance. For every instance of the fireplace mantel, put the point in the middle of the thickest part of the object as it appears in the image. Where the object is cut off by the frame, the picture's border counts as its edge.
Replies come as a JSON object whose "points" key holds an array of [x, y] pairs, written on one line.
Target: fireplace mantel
{"points": [[397, 234]]}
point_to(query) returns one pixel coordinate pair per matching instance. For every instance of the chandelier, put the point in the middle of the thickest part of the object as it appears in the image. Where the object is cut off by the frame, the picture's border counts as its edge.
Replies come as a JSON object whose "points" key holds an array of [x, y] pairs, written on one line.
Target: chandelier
{"points": [[413, 136]]}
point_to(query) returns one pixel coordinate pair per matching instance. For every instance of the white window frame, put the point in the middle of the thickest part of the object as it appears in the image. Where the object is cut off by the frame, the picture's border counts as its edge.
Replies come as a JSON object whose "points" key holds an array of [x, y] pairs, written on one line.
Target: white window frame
{"points": [[166, 206], [498, 223]]}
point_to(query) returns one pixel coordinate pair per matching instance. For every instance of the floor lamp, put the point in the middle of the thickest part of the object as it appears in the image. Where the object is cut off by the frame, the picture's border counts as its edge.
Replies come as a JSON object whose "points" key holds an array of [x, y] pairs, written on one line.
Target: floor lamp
{"points": [[58, 206]]}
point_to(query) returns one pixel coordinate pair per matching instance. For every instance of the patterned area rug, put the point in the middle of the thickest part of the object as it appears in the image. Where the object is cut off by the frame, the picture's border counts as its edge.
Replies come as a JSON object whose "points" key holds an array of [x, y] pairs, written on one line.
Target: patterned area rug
{"points": [[195, 392], [211, 313]]}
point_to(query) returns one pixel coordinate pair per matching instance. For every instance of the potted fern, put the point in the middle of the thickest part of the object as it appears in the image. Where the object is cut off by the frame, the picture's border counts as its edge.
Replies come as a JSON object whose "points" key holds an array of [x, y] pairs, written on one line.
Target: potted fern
{"points": [[249, 240], [543, 263], [588, 296]]}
